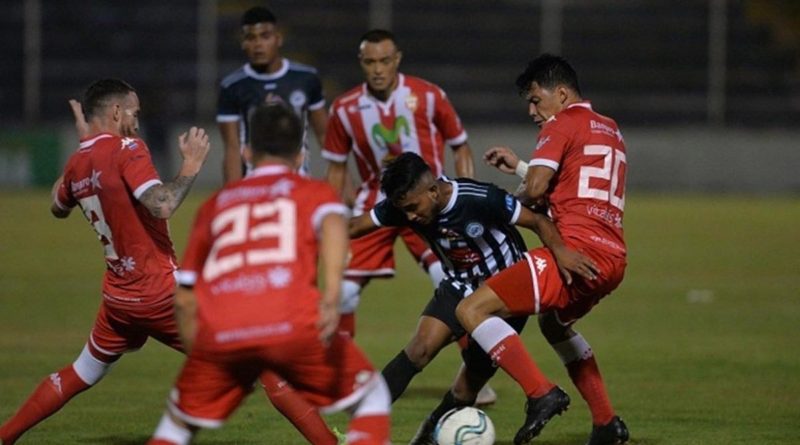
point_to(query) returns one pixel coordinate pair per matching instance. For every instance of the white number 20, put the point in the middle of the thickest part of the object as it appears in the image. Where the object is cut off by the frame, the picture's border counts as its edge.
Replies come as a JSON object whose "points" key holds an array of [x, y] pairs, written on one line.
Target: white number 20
{"points": [[231, 228], [610, 171]]}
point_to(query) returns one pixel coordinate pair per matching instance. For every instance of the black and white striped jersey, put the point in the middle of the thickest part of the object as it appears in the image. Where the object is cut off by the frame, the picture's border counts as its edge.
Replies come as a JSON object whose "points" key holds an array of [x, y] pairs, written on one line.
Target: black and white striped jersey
{"points": [[473, 236]]}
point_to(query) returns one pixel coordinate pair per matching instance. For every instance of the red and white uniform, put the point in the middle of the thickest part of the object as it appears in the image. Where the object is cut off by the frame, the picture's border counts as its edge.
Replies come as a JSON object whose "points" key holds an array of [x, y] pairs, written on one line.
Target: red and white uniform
{"points": [[586, 200], [417, 118], [105, 177], [252, 261]]}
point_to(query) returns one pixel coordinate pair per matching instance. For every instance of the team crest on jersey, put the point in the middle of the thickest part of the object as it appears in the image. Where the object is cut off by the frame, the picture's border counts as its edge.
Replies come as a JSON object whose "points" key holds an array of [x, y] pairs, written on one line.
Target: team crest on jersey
{"points": [[297, 98], [273, 99], [129, 143], [474, 229], [412, 101]]}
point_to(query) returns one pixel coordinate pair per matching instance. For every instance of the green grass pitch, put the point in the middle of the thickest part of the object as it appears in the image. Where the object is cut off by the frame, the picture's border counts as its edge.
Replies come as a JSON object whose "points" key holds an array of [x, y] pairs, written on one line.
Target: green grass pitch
{"points": [[698, 346]]}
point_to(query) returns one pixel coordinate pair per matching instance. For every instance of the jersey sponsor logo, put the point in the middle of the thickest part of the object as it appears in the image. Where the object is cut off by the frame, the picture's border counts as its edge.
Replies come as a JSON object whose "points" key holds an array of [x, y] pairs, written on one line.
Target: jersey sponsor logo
{"points": [[92, 181], [541, 264], [129, 143], [297, 98], [412, 101], [541, 143], [601, 128], [474, 229], [390, 137], [610, 216], [254, 283], [273, 99]]}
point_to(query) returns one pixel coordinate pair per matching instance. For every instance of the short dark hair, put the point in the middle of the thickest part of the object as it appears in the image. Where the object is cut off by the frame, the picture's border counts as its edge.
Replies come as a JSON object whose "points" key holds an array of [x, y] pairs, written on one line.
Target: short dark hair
{"points": [[402, 175], [258, 14], [275, 130], [98, 94], [377, 36], [548, 71]]}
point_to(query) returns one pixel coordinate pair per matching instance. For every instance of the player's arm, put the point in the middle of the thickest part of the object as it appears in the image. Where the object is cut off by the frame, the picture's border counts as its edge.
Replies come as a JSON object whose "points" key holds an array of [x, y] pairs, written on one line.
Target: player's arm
{"points": [[362, 225], [56, 209], [465, 166], [569, 261], [336, 175], [334, 244], [319, 121], [163, 199], [186, 316], [232, 156]]}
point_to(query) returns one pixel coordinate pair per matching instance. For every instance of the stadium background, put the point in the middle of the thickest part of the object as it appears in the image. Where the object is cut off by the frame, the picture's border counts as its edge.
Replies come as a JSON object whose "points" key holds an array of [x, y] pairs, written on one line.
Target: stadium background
{"points": [[699, 344]]}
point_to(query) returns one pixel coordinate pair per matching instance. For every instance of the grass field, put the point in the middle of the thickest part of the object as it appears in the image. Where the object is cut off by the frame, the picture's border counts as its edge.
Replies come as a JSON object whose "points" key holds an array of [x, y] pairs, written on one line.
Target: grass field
{"points": [[698, 346]]}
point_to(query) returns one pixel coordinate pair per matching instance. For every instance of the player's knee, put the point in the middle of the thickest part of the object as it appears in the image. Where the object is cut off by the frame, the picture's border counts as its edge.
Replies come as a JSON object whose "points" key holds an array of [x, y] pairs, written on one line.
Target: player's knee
{"points": [[377, 400], [552, 329], [420, 352], [350, 296], [90, 369]]}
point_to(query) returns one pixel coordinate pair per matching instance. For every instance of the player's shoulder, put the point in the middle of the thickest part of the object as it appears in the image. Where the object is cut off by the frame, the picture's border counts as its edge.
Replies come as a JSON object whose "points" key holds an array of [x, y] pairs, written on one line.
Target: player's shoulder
{"points": [[349, 97], [301, 68], [233, 77], [472, 188], [419, 83]]}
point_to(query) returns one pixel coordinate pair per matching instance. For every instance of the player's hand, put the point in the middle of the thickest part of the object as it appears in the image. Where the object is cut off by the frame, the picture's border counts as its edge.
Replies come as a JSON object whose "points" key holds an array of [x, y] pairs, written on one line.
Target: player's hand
{"points": [[571, 261], [502, 158], [194, 148], [80, 120], [328, 322]]}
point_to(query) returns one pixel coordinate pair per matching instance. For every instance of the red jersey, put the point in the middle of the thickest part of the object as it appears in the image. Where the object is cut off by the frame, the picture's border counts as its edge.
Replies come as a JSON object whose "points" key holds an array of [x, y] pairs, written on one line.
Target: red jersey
{"points": [[252, 258], [587, 193], [106, 177], [417, 117]]}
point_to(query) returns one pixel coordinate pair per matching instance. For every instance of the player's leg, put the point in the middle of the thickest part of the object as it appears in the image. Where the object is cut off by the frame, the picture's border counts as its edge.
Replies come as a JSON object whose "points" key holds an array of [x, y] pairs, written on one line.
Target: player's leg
{"points": [[302, 414]]}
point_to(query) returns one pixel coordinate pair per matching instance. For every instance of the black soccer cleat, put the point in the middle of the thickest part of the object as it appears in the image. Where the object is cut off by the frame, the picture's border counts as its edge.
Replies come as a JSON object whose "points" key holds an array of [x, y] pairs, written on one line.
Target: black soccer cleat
{"points": [[425, 433], [612, 433], [539, 411]]}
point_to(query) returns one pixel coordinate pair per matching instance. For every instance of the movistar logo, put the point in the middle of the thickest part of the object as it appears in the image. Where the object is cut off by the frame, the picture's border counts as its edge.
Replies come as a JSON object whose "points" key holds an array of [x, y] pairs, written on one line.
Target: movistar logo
{"points": [[390, 138]]}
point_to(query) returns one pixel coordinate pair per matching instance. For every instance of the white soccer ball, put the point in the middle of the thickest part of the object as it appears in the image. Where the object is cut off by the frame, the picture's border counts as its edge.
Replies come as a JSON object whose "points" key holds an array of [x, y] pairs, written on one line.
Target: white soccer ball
{"points": [[464, 426]]}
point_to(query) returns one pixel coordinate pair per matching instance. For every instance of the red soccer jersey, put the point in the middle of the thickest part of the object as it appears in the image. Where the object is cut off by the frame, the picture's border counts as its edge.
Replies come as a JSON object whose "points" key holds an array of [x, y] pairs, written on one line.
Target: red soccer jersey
{"points": [[252, 258], [417, 117], [587, 193], [105, 177]]}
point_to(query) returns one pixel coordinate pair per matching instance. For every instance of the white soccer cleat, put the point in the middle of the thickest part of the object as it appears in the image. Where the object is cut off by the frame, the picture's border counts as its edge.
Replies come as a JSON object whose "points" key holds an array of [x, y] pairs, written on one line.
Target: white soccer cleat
{"points": [[486, 396]]}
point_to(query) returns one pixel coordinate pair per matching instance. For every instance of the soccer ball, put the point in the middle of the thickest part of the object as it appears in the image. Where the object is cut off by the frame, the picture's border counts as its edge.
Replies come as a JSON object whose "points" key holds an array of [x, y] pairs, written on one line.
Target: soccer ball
{"points": [[464, 426]]}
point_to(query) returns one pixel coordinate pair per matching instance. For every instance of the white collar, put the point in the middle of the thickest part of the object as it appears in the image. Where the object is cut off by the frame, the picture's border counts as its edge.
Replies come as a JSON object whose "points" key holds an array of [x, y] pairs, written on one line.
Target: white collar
{"points": [[248, 69], [269, 169], [585, 104], [453, 196]]}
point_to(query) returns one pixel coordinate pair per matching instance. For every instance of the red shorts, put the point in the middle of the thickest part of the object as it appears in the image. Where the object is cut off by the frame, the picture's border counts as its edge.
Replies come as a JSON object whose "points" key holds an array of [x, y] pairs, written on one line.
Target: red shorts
{"points": [[534, 286], [212, 385], [373, 254], [117, 331]]}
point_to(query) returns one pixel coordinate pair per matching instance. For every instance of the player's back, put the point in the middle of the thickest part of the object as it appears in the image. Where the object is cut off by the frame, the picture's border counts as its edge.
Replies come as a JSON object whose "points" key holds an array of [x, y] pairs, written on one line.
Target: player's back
{"points": [[258, 279], [106, 176], [588, 192]]}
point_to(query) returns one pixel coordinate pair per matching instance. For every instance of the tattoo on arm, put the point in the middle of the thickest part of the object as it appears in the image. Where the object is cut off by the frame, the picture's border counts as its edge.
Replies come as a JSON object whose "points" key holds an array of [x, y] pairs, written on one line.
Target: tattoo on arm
{"points": [[162, 200]]}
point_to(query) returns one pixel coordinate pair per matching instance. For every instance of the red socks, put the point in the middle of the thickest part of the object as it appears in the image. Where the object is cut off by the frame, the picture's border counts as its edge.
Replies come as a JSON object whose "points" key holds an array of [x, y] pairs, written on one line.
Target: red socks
{"points": [[297, 410], [51, 394], [368, 430], [510, 354], [586, 377]]}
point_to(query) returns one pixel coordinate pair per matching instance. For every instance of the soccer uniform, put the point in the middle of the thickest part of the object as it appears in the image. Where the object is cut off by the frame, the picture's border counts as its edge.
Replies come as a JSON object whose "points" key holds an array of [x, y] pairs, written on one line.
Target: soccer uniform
{"points": [[418, 118], [252, 262], [296, 85], [106, 177], [586, 201]]}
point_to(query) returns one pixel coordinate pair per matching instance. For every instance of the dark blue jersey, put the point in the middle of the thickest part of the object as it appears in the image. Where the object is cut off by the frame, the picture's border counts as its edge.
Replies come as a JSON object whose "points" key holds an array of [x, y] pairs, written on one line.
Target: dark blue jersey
{"points": [[473, 236], [294, 84]]}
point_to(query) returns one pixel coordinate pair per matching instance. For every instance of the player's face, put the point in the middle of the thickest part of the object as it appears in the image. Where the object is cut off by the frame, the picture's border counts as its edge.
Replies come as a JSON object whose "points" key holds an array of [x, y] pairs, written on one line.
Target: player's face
{"points": [[129, 116], [420, 204], [544, 103], [380, 61], [261, 43]]}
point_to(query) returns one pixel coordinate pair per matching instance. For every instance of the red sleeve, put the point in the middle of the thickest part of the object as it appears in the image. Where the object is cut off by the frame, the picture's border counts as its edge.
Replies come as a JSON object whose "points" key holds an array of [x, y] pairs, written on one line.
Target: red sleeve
{"points": [[136, 166], [325, 201], [337, 141], [552, 143], [446, 120], [199, 245], [64, 199]]}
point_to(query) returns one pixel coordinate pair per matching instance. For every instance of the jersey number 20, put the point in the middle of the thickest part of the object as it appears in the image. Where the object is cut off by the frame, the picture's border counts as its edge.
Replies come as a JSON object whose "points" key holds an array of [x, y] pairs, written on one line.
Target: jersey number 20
{"points": [[232, 227], [610, 171]]}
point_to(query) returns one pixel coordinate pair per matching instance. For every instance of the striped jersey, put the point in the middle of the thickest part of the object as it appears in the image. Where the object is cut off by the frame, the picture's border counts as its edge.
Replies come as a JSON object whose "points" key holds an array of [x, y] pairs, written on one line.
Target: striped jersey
{"points": [[473, 236], [417, 117], [294, 84]]}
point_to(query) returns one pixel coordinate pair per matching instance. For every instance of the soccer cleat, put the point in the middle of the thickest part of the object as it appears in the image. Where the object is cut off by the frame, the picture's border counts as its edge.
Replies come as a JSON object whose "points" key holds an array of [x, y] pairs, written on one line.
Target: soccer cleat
{"points": [[539, 411], [425, 434], [486, 396], [612, 433]]}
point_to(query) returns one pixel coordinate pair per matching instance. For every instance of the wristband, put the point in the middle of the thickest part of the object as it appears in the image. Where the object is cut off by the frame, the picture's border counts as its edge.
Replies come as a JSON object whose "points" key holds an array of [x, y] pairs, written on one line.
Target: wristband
{"points": [[522, 169]]}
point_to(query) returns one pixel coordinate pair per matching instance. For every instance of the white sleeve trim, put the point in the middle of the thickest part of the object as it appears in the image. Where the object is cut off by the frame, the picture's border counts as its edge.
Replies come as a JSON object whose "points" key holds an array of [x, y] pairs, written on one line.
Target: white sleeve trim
{"points": [[186, 277], [517, 211], [144, 187], [335, 157], [228, 118], [458, 140], [544, 162], [325, 210], [374, 217], [317, 106]]}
